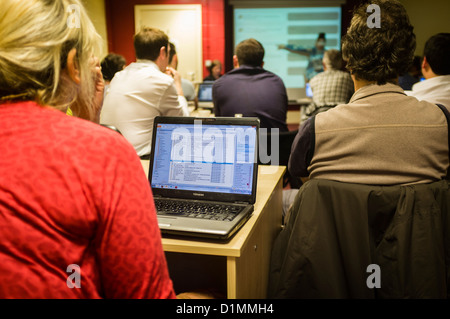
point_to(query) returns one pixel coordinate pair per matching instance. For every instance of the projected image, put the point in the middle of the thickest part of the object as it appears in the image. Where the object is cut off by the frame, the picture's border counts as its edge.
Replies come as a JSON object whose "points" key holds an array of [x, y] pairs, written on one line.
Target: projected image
{"points": [[292, 27]]}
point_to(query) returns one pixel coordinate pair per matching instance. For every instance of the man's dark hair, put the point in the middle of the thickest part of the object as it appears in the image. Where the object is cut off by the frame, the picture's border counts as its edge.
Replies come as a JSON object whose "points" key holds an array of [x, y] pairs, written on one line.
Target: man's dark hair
{"points": [[148, 43], [437, 52], [250, 52], [111, 64], [379, 54], [172, 51]]}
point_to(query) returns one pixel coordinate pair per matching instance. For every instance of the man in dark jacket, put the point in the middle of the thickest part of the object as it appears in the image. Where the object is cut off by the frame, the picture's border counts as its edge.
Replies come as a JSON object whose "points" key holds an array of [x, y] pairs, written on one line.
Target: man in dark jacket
{"points": [[250, 90]]}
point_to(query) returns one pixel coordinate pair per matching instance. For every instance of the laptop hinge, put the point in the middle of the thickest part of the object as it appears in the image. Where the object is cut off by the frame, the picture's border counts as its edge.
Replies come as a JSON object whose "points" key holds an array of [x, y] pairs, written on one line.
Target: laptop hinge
{"points": [[238, 202]]}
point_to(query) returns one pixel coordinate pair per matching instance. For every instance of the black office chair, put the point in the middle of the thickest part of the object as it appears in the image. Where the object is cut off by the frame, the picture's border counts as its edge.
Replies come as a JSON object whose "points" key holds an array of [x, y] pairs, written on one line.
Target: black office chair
{"points": [[284, 141]]}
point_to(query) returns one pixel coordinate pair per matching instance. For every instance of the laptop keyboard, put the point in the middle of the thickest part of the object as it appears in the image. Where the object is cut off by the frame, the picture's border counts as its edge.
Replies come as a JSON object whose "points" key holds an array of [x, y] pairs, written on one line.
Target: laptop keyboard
{"points": [[197, 210]]}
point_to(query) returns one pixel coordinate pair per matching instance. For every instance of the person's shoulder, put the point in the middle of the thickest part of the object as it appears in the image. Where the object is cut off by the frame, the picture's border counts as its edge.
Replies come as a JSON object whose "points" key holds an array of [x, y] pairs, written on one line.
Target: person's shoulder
{"points": [[336, 117], [145, 71], [187, 82], [224, 78], [265, 71], [318, 76], [426, 111], [70, 136], [275, 77], [425, 105], [86, 136]]}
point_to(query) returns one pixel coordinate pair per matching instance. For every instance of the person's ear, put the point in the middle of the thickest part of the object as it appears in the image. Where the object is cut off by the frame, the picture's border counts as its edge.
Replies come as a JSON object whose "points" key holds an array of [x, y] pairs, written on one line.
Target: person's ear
{"points": [[262, 64], [235, 61], [73, 67], [163, 52], [425, 65]]}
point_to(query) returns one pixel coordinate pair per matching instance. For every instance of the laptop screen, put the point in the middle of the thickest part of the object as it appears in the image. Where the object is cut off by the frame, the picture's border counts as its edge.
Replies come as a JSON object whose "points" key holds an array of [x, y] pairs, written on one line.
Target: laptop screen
{"points": [[204, 157], [205, 92], [309, 92]]}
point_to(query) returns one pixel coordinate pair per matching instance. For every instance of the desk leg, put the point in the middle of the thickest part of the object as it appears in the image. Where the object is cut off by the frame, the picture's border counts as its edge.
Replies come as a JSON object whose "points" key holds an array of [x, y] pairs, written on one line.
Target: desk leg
{"points": [[231, 278], [247, 275]]}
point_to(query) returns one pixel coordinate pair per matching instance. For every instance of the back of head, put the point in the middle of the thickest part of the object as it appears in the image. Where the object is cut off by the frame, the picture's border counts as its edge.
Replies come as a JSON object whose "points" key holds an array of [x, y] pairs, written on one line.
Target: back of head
{"points": [[112, 64], [148, 43], [172, 52], [36, 37], [437, 52], [250, 52], [332, 59], [381, 53]]}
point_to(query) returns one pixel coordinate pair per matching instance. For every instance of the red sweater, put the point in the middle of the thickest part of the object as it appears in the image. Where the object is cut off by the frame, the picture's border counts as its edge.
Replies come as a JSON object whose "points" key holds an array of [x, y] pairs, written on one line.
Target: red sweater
{"points": [[73, 192]]}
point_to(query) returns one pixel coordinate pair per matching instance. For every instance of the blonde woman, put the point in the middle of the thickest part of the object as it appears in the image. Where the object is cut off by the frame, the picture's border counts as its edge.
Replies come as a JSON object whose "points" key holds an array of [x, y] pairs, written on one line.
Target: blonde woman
{"points": [[77, 217]]}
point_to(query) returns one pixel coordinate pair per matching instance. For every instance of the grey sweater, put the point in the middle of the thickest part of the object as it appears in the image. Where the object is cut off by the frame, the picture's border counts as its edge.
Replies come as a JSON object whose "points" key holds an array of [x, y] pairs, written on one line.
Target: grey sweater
{"points": [[381, 137]]}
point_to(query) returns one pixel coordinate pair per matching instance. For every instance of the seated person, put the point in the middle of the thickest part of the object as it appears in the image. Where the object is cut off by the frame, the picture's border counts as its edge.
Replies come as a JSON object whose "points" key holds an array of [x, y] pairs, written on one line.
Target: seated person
{"points": [[215, 71], [111, 64], [382, 136], [76, 208], [250, 90], [188, 86], [330, 87], [143, 91], [436, 70], [407, 80]]}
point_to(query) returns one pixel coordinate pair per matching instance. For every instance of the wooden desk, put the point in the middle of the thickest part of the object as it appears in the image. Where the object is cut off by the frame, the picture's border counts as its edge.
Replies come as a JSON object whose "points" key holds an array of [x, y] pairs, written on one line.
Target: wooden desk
{"points": [[239, 269]]}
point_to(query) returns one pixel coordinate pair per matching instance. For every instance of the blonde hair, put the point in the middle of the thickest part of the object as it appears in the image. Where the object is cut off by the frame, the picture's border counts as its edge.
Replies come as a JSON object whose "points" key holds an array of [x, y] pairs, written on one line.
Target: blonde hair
{"points": [[35, 39]]}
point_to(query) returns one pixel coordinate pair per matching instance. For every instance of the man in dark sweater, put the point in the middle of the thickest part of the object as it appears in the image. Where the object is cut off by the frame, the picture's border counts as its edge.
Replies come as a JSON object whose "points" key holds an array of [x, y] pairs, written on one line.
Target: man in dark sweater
{"points": [[250, 90]]}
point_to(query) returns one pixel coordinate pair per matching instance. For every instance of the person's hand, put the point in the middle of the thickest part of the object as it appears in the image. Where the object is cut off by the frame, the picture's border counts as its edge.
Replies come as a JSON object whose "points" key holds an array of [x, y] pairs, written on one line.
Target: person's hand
{"points": [[91, 111], [176, 77], [173, 73], [281, 46]]}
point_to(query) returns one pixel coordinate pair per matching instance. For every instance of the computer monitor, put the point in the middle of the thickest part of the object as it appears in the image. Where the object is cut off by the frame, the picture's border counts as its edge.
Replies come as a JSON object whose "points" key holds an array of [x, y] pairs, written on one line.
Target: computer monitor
{"points": [[204, 95]]}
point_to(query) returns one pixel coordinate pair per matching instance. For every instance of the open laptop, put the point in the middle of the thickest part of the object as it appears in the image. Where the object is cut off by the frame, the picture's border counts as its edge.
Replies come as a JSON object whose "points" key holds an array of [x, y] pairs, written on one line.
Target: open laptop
{"points": [[204, 95], [210, 163]]}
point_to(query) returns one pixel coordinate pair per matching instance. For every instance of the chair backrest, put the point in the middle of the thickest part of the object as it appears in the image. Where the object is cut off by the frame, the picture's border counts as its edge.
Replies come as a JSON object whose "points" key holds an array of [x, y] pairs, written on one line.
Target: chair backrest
{"points": [[346, 240], [283, 143]]}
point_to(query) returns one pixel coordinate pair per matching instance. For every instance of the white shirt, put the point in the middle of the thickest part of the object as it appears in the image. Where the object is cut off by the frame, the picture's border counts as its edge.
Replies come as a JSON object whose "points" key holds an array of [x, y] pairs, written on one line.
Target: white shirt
{"points": [[434, 90], [135, 97]]}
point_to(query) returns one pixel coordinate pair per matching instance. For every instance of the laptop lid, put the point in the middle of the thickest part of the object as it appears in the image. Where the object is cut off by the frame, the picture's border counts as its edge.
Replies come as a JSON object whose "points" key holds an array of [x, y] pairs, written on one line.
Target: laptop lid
{"points": [[205, 158], [205, 92]]}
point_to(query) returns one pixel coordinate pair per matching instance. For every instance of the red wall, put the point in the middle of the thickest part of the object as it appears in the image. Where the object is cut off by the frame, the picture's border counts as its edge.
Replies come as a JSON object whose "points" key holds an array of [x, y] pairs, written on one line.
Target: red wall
{"points": [[120, 27]]}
